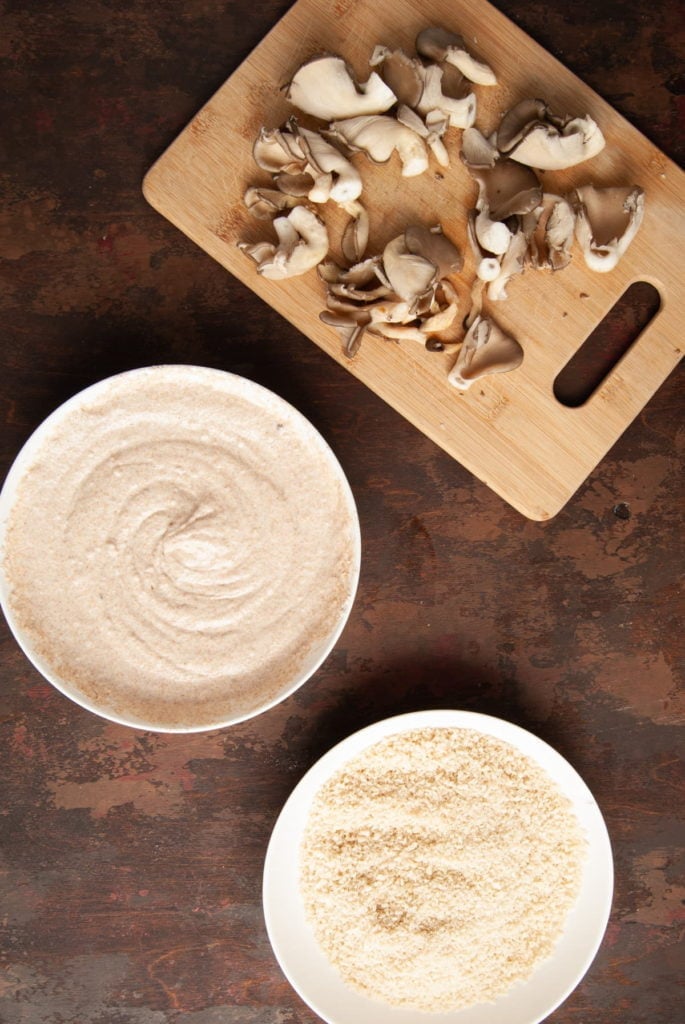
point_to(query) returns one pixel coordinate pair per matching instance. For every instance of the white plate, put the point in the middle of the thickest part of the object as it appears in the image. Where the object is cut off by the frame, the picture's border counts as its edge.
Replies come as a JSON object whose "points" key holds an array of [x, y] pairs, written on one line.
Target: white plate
{"points": [[317, 981]]}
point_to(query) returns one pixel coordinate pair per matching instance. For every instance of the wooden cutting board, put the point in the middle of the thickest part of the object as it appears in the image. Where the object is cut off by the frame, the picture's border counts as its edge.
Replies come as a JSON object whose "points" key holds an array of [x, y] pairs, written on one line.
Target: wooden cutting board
{"points": [[508, 429]]}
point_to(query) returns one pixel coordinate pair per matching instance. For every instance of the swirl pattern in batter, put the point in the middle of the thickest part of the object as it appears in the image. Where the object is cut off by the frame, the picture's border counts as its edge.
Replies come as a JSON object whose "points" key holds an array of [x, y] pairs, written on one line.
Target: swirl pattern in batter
{"points": [[181, 548]]}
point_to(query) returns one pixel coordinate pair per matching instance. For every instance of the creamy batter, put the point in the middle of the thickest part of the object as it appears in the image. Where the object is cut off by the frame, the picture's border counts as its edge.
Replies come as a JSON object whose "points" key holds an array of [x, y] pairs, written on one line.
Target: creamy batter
{"points": [[181, 549]]}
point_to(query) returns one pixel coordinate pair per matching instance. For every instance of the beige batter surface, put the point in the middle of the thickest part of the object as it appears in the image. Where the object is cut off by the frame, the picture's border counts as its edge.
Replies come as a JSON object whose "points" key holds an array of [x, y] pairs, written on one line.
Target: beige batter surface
{"points": [[181, 548]]}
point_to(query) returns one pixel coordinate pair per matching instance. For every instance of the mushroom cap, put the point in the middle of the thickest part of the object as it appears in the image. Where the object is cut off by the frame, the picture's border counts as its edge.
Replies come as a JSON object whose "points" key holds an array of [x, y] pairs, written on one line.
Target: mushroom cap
{"points": [[531, 134], [401, 73], [326, 87], [379, 137], [302, 244], [277, 149], [607, 220], [438, 44], [434, 246], [550, 230], [409, 274], [434, 42], [517, 122], [486, 349], [265, 202], [477, 151], [509, 188], [460, 110]]}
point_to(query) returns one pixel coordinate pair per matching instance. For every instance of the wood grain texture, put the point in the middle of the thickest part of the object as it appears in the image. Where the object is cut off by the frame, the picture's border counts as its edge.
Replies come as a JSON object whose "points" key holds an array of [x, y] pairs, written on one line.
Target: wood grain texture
{"points": [[509, 430], [130, 863]]}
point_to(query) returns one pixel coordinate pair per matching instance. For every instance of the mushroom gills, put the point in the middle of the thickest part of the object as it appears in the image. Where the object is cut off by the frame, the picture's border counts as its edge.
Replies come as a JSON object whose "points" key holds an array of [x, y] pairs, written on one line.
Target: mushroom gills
{"points": [[486, 349], [607, 220]]}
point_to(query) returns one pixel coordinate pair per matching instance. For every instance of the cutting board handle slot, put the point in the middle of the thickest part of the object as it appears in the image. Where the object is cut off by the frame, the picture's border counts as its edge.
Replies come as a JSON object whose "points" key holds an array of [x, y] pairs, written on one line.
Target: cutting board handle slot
{"points": [[607, 344]]}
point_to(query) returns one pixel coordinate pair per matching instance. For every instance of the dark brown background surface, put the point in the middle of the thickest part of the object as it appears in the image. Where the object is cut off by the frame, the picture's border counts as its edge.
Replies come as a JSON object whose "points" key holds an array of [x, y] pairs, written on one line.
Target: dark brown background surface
{"points": [[131, 862]]}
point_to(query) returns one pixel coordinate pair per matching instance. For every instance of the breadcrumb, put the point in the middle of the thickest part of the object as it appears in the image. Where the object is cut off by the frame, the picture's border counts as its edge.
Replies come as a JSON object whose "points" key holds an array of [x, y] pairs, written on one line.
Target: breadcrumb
{"points": [[438, 868]]}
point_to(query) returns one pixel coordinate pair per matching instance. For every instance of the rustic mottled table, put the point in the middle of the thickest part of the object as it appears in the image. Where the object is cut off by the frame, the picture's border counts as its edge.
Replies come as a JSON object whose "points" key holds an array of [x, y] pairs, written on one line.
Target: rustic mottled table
{"points": [[131, 862]]}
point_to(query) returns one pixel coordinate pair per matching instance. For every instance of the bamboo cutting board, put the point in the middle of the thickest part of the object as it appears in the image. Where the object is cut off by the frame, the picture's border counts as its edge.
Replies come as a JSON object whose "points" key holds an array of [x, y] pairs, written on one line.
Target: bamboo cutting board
{"points": [[507, 429]]}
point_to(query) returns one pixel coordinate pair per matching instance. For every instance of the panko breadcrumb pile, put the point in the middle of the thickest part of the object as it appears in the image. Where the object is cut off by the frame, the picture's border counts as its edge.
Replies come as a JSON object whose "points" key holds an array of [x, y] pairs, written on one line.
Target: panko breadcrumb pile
{"points": [[438, 868]]}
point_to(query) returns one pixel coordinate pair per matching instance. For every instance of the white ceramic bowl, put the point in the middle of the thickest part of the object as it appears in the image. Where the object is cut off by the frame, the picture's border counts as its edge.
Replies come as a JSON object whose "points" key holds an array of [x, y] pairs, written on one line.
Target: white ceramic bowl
{"points": [[321, 986], [260, 449]]}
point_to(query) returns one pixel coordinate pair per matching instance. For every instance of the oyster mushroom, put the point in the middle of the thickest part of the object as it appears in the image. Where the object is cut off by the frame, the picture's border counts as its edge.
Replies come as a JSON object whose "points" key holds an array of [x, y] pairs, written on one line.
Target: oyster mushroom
{"points": [[379, 137], [505, 187], [303, 163], [326, 87], [401, 73], [277, 149], [607, 220], [428, 90], [410, 275], [549, 229], [350, 329], [324, 158], [355, 236], [400, 295], [512, 263], [432, 244], [431, 130], [487, 265], [476, 150], [486, 349], [302, 244], [459, 110], [531, 134], [439, 45], [265, 202]]}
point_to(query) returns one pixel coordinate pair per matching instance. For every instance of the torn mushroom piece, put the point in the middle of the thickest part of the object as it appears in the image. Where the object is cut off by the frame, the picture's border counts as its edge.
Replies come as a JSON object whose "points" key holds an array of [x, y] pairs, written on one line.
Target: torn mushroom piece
{"points": [[350, 329], [403, 295], [438, 44], [512, 263], [486, 349], [355, 236], [549, 229], [506, 192], [302, 245], [434, 246], [303, 163], [379, 137], [435, 92], [607, 220], [431, 130], [410, 275], [264, 203], [401, 73], [326, 87], [449, 100], [505, 187], [531, 134]]}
